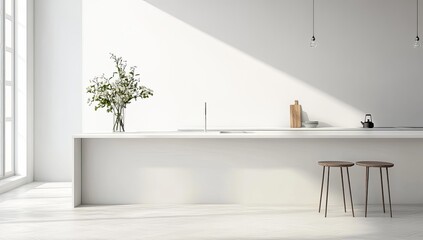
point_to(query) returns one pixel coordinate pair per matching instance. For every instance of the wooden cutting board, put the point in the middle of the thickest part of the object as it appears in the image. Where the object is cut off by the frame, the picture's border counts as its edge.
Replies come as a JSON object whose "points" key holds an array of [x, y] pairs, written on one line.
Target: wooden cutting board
{"points": [[295, 115]]}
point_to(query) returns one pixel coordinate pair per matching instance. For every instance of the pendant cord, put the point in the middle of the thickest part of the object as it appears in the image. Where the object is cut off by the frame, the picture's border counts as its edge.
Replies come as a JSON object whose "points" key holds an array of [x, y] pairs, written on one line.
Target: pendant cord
{"points": [[313, 18], [417, 17]]}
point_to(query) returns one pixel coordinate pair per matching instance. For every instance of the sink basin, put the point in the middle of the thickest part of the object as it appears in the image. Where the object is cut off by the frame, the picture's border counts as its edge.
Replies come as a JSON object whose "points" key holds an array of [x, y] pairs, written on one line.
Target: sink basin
{"points": [[216, 131], [235, 131]]}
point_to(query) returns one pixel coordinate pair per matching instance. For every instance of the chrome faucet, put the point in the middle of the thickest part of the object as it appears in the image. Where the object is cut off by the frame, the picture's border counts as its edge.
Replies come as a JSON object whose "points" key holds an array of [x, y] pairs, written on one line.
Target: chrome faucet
{"points": [[205, 116]]}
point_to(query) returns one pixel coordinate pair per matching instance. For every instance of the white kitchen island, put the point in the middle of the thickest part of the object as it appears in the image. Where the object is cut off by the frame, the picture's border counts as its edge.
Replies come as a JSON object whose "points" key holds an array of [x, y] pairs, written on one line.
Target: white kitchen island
{"points": [[240, 166]]}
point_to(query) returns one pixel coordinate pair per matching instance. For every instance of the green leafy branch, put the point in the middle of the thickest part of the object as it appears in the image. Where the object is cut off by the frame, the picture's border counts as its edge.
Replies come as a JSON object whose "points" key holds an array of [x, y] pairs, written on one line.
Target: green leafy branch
{"points": [[117, 91]]}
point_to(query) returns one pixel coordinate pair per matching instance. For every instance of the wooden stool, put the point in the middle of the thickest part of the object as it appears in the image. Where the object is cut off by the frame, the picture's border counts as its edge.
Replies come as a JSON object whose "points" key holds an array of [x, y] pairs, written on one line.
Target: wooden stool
{"points": [[339, 164], [380, 165]]}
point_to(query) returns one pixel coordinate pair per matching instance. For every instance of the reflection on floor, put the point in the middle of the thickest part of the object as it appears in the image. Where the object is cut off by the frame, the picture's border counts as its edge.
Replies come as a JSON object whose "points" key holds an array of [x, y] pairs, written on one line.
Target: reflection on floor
{"points": [[43, 211]]}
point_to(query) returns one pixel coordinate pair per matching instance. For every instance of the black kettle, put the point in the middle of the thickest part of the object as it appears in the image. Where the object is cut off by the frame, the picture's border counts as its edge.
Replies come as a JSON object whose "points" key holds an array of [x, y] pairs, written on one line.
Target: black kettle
{"points": [[368, 121]]}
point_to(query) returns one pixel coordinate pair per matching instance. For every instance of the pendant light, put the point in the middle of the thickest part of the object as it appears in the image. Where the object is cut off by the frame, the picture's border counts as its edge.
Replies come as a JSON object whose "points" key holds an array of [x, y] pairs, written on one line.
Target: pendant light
{"points": [[417, 43], [313, 43]]}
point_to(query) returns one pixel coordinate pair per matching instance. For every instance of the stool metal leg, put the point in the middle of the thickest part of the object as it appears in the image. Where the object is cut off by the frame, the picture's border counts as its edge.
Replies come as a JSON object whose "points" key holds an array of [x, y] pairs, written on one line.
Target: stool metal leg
{"points": [[383, 195], [389, 192], [327, 194], [349, 186], [367, 189], [321, 188], [343, 191]]}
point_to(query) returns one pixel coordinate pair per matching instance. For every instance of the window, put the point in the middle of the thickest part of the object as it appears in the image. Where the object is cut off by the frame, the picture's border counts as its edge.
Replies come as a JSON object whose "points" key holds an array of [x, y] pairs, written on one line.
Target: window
{"points": [[7, 89]]}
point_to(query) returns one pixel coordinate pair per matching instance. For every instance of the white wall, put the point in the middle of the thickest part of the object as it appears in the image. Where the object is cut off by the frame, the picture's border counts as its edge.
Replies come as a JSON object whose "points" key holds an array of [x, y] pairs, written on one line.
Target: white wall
{"points": [[250, 59], [57, 86]]}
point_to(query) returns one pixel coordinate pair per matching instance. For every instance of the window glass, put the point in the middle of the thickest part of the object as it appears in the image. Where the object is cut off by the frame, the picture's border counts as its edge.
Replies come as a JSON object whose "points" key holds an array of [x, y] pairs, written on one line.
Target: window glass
{"points": [[8, 66], [8, 32], [8, 7], [8, 146], [8, 102]]}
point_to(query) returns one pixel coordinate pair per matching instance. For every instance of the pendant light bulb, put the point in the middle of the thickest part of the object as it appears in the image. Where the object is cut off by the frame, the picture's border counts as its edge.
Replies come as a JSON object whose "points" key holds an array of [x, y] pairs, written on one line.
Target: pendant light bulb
{"points": [[417, 43], [313, 43]]}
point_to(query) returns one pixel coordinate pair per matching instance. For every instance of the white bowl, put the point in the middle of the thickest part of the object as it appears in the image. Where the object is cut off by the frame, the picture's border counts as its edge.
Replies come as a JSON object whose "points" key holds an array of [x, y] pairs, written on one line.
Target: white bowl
{"points": [[311, 124]]}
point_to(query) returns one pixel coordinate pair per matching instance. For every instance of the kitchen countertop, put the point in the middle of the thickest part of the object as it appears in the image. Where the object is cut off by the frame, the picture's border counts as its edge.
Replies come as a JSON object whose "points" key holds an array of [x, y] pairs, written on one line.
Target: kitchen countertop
{"points": [[386, 133]]}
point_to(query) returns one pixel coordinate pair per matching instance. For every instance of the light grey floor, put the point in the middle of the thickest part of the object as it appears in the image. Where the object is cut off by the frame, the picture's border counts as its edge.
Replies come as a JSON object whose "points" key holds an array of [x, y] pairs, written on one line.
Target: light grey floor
{"points": [[43, 211]]}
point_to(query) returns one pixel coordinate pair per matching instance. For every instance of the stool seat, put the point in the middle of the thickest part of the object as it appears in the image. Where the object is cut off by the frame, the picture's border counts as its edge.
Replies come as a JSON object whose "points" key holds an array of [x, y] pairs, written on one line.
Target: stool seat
{"points": [[375, 164], [336, 164]]}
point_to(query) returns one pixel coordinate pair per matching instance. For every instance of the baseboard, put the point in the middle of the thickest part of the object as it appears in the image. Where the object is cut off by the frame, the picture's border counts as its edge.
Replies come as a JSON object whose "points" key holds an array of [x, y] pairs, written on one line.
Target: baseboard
{"points": [[10, 183]]}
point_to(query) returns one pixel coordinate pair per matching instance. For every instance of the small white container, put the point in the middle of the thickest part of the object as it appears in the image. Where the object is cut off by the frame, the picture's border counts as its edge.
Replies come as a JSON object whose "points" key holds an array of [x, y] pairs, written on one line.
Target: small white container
{"points": [[311, 124]]}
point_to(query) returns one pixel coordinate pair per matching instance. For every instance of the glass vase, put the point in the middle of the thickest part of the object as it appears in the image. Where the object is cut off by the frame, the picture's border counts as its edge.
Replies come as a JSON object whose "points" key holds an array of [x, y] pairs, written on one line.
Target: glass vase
{"points": [[119, 120]]}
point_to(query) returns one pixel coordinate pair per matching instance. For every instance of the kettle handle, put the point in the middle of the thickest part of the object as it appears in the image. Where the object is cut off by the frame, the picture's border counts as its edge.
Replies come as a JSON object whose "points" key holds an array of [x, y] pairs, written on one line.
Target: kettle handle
{"points": [[368, 115]]}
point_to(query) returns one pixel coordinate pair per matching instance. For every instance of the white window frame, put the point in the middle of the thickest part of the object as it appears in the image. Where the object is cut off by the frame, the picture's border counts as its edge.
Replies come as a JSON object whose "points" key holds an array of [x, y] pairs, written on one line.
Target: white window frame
{"points": [[3, 50]]}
